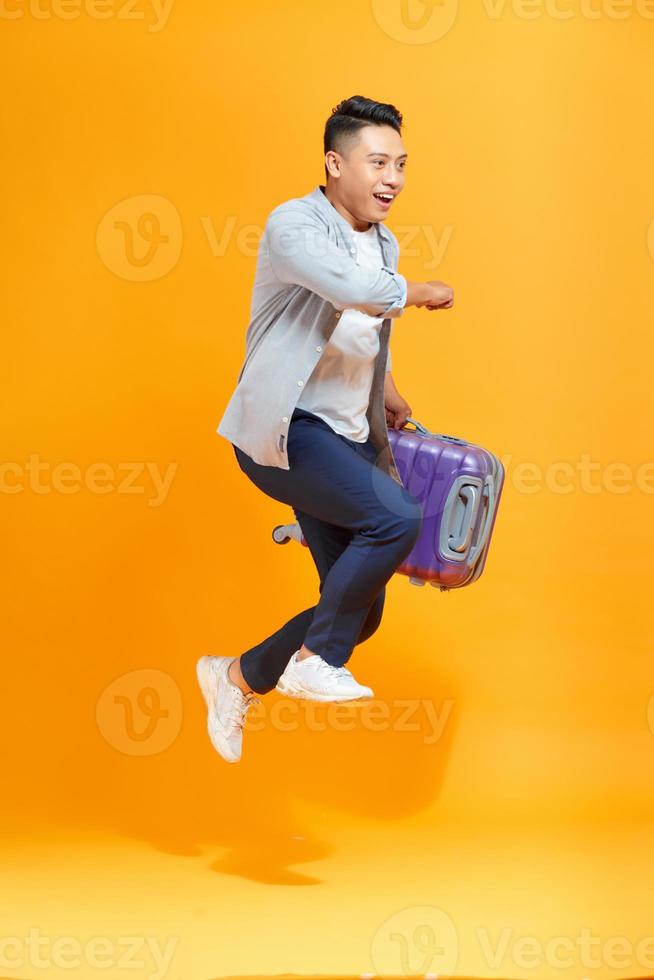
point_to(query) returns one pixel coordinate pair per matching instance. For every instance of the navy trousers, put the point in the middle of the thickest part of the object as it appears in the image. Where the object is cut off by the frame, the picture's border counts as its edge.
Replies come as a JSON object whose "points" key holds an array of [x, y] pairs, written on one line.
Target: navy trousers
{"points": [[359, 524]]}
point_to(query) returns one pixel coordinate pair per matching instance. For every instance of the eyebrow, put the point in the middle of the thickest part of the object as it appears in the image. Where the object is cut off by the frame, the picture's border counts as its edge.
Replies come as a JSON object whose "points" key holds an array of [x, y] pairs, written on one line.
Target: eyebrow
{"points": [[402, 156]]}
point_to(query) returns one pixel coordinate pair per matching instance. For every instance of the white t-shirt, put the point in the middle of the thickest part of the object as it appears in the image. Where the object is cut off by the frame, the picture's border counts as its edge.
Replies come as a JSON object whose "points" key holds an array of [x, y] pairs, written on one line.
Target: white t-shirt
{"points": [[338, 389]]}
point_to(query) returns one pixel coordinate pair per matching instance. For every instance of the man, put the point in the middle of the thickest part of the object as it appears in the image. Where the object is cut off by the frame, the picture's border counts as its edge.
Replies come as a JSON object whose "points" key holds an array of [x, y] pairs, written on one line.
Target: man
{"points": [[308, 419]]}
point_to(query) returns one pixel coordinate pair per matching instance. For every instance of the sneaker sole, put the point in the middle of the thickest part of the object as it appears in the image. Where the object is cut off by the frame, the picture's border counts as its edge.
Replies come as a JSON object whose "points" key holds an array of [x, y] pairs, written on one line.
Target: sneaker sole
{"points": [[290, 692]]}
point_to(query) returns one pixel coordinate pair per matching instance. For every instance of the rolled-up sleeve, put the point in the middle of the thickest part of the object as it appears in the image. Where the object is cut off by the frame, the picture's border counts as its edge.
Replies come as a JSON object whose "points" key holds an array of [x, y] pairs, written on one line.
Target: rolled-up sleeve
{"points": [[301, 253]]}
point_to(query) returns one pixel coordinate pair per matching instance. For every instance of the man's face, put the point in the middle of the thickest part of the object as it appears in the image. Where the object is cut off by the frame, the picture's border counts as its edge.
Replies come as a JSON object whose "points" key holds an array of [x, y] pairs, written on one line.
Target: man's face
{"points": [[372, 166]]}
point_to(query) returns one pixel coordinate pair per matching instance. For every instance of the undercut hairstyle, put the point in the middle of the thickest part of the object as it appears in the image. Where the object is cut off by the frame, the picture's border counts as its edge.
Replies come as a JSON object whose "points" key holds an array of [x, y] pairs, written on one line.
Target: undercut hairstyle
{"points": [[351, 115]]}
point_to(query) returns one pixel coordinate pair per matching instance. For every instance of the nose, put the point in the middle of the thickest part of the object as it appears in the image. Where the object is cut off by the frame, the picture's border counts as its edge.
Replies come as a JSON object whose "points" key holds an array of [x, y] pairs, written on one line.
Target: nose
{"points": [[392, 179]]}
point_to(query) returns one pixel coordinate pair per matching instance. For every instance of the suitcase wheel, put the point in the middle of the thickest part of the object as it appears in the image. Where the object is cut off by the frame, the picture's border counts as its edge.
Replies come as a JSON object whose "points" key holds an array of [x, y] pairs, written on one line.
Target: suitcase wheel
{"points": [[279, 536]]}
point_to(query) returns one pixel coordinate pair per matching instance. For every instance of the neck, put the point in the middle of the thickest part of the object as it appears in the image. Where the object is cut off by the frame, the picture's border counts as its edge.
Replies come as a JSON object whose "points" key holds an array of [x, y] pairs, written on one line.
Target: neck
{"points": [[343, 211]]}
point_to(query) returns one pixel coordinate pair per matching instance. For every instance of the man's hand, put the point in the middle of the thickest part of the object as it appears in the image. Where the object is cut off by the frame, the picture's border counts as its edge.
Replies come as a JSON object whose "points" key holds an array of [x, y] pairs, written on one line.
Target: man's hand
{"points": [[443, 297], [397, 408], [432, 295]]}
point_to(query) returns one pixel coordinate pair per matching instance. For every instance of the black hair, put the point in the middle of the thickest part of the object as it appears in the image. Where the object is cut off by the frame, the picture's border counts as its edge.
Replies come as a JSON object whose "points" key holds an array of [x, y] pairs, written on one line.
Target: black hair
{"points": [[351, 115]]}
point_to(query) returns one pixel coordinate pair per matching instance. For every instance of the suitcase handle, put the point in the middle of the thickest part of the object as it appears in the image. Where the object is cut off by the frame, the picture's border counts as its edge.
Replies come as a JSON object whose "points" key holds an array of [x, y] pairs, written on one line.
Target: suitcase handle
{"points": [[488, 501], [470, 494], [425, 432]]}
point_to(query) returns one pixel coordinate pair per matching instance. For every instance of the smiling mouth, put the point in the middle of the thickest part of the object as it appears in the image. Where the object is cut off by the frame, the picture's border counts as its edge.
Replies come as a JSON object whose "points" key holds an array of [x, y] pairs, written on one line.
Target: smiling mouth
{"points": [[385, 198]]}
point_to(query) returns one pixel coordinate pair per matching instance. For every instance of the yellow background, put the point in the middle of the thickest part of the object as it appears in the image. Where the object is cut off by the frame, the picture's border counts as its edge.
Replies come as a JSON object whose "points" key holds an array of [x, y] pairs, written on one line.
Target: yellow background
{"points": [[529, 137]]}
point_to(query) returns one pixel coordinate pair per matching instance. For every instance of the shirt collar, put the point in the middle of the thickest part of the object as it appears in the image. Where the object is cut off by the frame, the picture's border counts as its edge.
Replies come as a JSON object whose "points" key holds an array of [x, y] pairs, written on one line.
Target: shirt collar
{"points": [[317, 196]]}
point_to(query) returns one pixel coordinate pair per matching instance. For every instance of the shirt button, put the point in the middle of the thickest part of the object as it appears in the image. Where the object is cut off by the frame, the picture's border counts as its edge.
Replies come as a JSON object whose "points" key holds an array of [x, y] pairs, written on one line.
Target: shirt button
{"points": [[285, 419], [319, 348], [300, 383], [353, 251], [337, 315]]}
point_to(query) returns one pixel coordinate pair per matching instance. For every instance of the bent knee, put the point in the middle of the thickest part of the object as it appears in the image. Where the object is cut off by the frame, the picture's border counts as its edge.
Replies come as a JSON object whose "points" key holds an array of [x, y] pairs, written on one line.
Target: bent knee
{"points": [[401, 521]]}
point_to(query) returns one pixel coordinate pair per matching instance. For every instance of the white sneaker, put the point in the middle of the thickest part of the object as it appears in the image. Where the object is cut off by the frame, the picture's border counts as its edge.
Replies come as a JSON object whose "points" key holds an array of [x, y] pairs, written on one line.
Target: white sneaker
{"points": [[227, 705], [316, 680]]}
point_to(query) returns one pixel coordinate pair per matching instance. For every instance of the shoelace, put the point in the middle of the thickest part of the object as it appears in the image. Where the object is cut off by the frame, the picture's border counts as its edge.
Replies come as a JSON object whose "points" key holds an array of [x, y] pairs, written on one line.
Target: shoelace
{"points": [[333, 671], [239, 707]]}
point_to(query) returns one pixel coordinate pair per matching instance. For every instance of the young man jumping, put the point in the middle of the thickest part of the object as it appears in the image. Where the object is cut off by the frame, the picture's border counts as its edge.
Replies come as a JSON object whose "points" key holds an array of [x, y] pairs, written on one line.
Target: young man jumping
{"points": [[308, 418]]}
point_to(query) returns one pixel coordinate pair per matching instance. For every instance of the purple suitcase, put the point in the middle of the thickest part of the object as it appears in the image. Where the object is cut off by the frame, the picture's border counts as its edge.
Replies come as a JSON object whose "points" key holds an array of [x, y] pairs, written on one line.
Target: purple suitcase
{"points": [[459, 486]]}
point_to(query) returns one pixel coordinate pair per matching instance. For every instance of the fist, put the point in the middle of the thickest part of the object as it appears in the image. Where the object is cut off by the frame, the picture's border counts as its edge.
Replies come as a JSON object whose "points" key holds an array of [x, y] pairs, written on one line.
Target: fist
{"points": [[443, 296]]}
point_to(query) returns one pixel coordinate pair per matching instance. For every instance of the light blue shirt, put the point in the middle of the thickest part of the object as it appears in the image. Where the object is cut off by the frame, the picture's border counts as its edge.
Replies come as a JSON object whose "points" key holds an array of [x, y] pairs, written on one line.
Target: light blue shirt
{"points": [[306, 276], [338, 390]]}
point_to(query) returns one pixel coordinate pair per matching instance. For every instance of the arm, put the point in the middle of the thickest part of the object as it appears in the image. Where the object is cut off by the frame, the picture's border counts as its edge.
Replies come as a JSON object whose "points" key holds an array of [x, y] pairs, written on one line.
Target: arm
{"points": [[435, 295], [419, 293], [397, 408], [302, 254]]}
